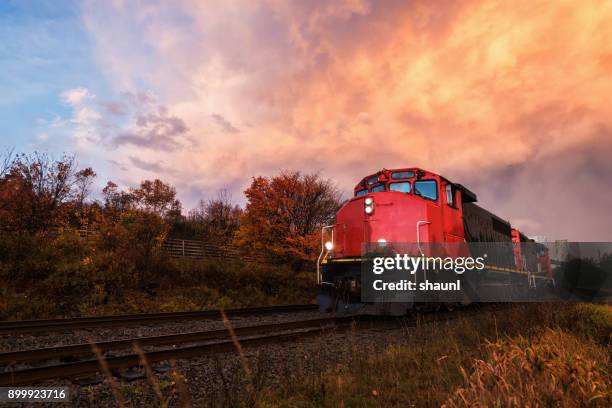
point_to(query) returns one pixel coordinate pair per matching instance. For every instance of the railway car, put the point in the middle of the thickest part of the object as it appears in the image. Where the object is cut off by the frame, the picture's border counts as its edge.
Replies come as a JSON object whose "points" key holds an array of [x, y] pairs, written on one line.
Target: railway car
{"points": [[417, 207]]}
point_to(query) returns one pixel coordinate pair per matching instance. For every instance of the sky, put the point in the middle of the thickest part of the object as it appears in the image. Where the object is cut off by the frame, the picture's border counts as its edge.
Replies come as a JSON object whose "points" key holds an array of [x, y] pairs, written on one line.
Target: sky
{"points": [[511, 99]]}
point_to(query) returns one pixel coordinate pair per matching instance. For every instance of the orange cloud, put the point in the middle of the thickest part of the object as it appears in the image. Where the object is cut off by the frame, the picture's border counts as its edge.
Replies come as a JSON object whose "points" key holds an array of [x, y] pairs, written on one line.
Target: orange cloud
{"points": [[458, 87]]}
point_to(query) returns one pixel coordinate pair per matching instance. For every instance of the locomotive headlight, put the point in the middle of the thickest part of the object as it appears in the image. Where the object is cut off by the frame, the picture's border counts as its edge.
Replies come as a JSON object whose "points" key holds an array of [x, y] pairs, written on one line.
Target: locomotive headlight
{"points": [[369, 205], [329, 245]]}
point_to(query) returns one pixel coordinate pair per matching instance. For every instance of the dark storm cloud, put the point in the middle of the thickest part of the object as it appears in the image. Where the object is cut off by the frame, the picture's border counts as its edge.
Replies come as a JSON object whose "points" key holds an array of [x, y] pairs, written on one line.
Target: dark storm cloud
{"points": [[563, 196]]}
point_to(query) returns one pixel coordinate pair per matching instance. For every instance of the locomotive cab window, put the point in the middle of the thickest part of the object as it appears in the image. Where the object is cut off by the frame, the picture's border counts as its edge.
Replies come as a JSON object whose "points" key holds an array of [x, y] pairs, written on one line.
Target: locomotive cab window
{"points": [[403, 187], [361, 192], [396, 175], [450, 195], [427, 189], [372, 180], [378, 188]]}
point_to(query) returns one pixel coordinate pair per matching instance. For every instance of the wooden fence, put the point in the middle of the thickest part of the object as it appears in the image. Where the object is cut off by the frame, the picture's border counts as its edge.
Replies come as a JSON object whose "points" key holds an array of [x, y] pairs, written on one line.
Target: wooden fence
{"points": [[187, 248]]}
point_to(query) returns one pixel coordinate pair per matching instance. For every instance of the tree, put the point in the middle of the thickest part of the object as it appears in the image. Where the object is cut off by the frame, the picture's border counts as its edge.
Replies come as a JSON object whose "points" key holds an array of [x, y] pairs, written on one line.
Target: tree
{"points": [[141, 219], [83, 180], [216, 220], [157, 197], [284, 215], [6, 162], [116, 201], [34, 191]]}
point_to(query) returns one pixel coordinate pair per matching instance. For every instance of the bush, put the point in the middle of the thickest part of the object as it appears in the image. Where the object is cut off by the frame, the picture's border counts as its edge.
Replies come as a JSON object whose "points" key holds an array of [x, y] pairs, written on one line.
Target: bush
{"points": [[249, 284], [45, 273]]}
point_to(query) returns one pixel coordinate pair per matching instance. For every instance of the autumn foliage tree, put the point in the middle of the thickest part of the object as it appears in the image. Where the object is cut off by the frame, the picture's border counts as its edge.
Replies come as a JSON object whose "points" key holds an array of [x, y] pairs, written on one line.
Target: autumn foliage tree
{"points": [[40, 251], [284, 215], [63, 252], [217, 220], [44, 209], [140, 219], [35, 192]]}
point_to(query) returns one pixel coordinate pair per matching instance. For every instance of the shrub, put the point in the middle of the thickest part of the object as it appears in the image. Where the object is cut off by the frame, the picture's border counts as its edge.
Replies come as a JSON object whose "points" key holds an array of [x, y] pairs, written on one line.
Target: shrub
{"points": [[249, 284], [45, 273]]}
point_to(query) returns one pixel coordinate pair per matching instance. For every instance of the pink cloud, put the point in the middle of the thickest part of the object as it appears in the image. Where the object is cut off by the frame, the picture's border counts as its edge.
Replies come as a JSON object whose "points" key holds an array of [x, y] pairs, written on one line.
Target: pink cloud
{"points": [[463, 88]]}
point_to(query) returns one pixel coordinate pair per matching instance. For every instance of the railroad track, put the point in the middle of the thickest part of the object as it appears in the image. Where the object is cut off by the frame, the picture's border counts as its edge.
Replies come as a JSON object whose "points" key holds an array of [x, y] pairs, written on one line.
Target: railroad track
{"points": [[37, 326], [208, 342], [217, 341]]}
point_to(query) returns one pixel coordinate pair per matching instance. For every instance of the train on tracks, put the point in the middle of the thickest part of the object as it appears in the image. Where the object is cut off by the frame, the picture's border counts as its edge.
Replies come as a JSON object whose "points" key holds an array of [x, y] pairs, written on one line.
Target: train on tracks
{"points": [[420, 210]]}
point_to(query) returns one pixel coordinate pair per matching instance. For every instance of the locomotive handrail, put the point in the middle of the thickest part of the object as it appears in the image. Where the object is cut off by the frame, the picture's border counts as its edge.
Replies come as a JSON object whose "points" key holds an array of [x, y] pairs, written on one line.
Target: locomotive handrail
{"points": [[323, 249], [418, 234]]}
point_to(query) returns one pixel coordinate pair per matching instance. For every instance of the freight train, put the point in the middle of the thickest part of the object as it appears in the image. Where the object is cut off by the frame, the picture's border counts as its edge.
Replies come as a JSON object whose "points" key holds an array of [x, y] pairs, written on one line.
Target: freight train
{"points": [[420, 210]]}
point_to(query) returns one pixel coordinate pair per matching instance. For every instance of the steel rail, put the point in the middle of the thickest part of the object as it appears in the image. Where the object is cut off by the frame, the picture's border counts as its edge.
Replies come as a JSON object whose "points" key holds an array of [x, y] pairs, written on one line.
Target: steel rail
{"points": [[33, 326], [67, 370], [84, 349], [79, 368]]}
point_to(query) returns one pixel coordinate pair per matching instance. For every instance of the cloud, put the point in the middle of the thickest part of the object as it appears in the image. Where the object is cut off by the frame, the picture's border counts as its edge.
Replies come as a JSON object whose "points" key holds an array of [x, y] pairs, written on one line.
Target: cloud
{"points": [[462, 88], [76, 96], [560, 197], [114, 108], [134, 119], [118, 165], [85, 121], [154, 130], [155, 167], [224, 124], [85, 115]]}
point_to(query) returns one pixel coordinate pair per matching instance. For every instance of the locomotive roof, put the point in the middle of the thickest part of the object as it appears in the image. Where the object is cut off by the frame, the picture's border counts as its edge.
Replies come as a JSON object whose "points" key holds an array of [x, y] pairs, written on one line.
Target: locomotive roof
{"points": [[467, 195]]}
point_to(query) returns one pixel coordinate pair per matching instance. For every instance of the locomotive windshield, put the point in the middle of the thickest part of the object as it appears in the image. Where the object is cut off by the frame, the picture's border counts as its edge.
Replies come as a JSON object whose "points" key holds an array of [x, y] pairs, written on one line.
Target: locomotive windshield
{"points": [[403, 187], [426, 189]]}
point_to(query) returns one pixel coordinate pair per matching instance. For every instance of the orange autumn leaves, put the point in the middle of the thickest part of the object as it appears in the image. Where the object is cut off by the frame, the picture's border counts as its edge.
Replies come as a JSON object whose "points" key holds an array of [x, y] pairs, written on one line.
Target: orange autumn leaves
{"points": [[284, 215]]}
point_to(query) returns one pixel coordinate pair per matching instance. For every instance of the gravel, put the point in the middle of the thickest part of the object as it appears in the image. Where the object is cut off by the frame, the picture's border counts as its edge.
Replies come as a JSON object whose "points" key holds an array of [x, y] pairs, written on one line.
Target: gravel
{"points": [[51, 339], [220, 380]]}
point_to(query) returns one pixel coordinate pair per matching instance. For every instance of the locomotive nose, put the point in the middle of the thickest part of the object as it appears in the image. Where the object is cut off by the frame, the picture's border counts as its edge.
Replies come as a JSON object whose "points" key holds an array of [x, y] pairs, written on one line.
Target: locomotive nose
{"points": [[383, 217]]}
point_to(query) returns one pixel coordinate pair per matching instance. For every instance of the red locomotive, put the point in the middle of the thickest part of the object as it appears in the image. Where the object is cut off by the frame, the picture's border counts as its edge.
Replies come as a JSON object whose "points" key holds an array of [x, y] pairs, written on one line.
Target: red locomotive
{"points": [[415, 206]]}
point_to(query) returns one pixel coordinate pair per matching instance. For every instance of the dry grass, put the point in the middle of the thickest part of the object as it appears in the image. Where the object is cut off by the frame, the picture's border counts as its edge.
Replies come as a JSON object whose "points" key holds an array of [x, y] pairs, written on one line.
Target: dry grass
{"points": [[517, 361], [590, 320], [523, 355], [420, 372], [151, 378], [553, 369], [171, 391], [107, 374]]}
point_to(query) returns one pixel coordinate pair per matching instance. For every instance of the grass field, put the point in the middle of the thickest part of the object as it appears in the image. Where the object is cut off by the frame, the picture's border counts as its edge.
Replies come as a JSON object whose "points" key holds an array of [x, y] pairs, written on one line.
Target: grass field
{"points": [[528, 355]]}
